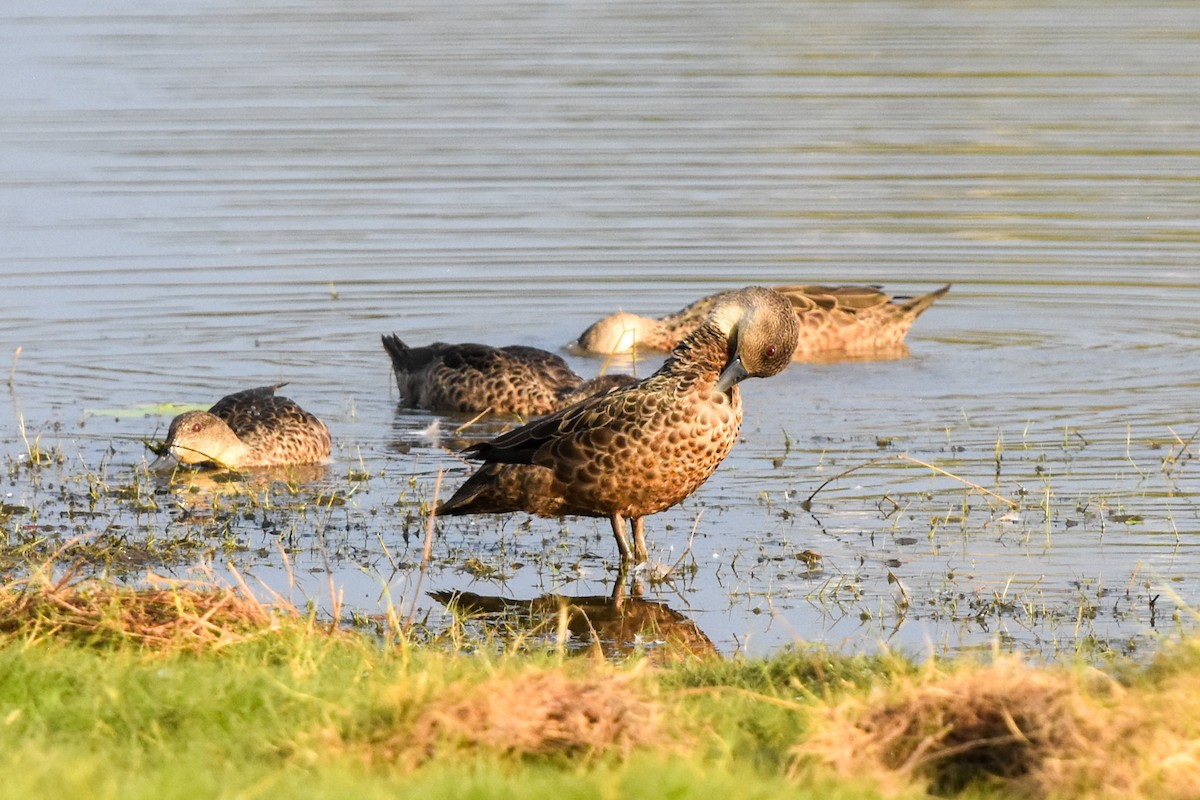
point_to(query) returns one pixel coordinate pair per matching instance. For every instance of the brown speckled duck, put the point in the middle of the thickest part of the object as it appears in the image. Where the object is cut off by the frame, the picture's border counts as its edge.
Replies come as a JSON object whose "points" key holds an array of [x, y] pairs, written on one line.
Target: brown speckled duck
{"points": [[251, 428], [642, 449], [835, 321], [477, 377]]}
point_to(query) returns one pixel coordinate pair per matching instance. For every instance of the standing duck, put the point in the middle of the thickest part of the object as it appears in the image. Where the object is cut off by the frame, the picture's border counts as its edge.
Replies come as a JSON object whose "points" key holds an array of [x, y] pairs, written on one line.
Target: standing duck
{"points": [[476, 377], [641, 449], [835, 321], [251, 428]]}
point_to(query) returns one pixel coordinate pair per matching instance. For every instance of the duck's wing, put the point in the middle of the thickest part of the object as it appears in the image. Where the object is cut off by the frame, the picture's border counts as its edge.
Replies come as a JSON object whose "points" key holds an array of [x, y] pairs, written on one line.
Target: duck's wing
{"points": [[232, 404], [600, 412], [849, 299]]}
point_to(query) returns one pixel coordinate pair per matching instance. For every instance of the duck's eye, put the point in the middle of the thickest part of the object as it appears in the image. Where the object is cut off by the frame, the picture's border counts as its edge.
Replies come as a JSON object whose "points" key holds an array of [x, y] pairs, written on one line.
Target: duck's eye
{"points": [[771, 351], [196, 427]]}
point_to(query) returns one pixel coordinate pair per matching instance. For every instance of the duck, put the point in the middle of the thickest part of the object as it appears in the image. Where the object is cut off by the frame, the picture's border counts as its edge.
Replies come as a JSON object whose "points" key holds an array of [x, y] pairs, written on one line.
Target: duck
{"points": [[473, 378], [250, 428], [835, 322], [638, 450]]}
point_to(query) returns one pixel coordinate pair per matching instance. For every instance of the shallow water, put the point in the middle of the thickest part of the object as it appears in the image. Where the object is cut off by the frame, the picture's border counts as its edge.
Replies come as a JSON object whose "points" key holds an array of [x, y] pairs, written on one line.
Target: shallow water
{"points": [[217, 196]]}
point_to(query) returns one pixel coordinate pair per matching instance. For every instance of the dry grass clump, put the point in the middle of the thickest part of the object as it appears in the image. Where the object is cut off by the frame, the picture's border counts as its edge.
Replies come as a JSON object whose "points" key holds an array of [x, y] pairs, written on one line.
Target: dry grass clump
{"points": [[1037, 732], [535, 714], [165, 616], [1002, 723]]}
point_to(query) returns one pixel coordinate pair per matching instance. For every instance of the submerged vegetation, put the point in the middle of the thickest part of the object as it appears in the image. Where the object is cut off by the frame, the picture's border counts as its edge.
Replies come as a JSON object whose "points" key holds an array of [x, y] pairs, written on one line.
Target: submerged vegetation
{"points": [[178, 690]]}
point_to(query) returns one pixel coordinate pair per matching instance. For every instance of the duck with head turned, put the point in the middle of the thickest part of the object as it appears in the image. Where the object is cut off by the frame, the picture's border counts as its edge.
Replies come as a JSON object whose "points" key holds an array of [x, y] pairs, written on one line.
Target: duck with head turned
{"points": [[251, 428], [836, 322], [641, 449]]}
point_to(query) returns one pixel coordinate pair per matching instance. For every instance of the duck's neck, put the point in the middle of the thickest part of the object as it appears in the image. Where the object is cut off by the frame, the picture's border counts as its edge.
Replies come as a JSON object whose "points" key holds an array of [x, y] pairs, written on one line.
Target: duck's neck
{"points": [[673, 328], [703, 354], [229, 451]]}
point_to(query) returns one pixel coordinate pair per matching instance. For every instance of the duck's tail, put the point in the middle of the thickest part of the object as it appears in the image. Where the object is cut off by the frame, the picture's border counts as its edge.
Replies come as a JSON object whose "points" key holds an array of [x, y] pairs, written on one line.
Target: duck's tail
{"points": [[916, 306]]}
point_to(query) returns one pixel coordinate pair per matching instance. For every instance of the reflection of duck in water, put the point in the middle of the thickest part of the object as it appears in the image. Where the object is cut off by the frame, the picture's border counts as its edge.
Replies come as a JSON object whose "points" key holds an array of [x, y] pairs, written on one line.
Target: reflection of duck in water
{"points": [[477, 377], [835, 321], [200, 493], [252, 428], [619, 625], [642, 449]]}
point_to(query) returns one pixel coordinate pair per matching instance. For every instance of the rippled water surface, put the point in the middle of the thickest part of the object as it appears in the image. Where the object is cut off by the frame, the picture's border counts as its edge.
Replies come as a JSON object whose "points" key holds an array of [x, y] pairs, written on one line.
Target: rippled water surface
{"points": [[206, 195]]}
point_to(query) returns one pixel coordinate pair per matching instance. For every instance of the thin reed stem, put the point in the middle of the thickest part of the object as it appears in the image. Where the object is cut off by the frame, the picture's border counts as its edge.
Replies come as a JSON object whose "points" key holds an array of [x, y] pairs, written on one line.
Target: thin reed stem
{"points": [[425, 556], [807, 504]]}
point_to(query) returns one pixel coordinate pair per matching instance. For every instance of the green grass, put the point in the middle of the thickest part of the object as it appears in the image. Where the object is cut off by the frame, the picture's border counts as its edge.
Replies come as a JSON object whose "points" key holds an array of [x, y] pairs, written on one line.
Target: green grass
{"points": [[278, 718], [299, 711], [107, 691]]}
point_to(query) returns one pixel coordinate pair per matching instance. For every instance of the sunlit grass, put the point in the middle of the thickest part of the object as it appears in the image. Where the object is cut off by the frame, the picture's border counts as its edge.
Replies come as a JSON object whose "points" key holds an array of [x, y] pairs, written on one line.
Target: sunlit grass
{"points": [[202, 690]]}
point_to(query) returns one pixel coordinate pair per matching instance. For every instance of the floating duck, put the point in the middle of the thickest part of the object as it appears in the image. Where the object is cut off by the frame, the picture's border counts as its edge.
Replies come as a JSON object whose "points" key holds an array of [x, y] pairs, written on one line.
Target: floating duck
{"points": [[845, 321], [477, 377], [251, 428]]}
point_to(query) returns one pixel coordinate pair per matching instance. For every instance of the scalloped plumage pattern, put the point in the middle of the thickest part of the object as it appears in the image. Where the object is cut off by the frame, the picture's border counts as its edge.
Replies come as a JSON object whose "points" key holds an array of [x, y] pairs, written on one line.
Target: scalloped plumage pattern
{"points": [[641, 449], [251, 428], [834, 321], [474, 378]]}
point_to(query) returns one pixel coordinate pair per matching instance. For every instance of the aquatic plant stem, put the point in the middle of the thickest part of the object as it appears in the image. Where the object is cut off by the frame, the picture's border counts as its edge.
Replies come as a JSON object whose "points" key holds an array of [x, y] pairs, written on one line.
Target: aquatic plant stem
{"points": [[686, 550], [334, 595], [425, 556], [807, 504], [458, 431], [12, 372]]}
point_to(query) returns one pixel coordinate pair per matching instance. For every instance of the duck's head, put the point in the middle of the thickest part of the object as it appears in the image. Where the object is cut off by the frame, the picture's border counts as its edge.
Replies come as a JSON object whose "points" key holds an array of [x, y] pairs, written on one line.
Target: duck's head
{"points": [[761, 328], [198, 437], [616, 333]]}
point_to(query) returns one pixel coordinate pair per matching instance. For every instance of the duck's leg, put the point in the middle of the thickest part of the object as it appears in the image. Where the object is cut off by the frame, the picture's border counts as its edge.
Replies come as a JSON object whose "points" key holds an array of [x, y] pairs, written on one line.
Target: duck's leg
{"points": [[639, 540], [618, 526]]}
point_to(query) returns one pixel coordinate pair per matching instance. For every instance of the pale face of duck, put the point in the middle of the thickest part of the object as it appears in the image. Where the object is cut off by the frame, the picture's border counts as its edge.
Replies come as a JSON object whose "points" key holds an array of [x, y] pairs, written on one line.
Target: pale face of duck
{"points": [[762, 331], [616, 333], [197, 437]]}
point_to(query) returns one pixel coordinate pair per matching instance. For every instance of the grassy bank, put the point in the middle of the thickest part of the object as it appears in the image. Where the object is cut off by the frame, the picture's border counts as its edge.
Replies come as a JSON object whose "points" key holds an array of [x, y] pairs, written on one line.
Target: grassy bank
{"points": [[198, 691]]}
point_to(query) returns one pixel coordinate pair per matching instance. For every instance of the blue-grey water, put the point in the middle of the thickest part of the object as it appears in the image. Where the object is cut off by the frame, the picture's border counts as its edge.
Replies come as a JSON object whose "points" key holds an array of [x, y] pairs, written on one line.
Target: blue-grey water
{"points": [[205, 195]]}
